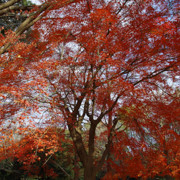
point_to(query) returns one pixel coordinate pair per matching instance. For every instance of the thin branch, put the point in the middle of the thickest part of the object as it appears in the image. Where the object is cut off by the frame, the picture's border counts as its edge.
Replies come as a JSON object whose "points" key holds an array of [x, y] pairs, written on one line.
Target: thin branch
{"points": [[15, 8], [62, 169]]}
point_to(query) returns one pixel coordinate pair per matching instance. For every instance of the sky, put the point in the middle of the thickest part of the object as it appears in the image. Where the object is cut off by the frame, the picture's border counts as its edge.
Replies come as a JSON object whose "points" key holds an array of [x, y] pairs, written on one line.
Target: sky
{"points": [[35, 1]]}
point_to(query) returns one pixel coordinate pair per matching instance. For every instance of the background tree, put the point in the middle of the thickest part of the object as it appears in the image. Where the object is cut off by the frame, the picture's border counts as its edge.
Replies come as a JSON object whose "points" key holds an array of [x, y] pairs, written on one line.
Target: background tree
{"points": [[40, 153]]}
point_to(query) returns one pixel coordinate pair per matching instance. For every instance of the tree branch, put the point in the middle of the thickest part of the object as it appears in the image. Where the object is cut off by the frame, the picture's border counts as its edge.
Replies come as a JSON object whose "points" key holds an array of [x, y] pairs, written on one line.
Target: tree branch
{"points": [[9, 3]]}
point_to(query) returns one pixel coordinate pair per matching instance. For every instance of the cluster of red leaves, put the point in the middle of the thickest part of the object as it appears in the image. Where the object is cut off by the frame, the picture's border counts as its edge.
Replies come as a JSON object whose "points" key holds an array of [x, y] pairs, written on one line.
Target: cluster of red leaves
{"points": [[33, 149], [147, 144]]}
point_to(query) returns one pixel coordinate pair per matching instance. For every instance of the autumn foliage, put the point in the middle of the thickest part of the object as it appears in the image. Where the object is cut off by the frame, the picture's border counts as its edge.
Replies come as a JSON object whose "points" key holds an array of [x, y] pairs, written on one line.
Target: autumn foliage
{"points": [[105, 70]]}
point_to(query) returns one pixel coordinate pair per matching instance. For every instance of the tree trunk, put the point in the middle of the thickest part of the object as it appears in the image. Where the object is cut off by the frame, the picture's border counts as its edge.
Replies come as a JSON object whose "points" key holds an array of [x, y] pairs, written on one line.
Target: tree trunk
{"points": [[89, 169], [89, 174]]}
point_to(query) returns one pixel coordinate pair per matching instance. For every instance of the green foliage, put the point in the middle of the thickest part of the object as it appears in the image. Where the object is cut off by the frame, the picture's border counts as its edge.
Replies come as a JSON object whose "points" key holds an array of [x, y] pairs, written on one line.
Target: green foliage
{"points": [[27, 3]]}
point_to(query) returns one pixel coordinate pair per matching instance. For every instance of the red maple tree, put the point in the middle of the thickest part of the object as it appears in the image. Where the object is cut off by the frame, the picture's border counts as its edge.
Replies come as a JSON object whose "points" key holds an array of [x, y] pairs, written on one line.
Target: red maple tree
{"points": [[107, 64]]}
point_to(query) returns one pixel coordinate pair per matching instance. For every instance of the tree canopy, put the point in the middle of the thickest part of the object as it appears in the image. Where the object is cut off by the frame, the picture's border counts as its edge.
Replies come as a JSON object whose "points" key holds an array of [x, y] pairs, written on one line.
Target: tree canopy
{"points": [[106, 71]]}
